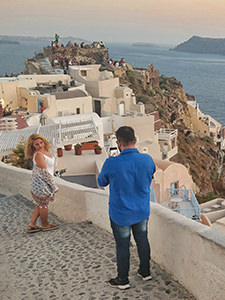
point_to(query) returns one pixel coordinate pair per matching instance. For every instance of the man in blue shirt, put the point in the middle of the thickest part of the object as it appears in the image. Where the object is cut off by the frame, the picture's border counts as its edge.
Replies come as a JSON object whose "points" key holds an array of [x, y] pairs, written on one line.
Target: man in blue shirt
{"points": [[129, 176]]}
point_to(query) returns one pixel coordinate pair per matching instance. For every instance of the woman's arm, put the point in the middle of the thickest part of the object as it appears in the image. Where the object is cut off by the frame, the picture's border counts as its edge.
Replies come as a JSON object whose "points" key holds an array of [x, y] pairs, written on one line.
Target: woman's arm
{"points": [[40, 161]]}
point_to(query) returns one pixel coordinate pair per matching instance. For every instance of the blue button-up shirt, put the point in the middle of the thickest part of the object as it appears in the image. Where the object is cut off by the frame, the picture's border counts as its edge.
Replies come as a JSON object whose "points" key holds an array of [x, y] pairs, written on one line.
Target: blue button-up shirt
{"points": [[129, 176]]}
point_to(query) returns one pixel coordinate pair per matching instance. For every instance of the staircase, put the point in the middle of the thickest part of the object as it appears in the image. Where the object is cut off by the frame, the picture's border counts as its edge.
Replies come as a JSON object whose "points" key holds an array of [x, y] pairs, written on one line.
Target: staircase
{"points": [[46, 65]]}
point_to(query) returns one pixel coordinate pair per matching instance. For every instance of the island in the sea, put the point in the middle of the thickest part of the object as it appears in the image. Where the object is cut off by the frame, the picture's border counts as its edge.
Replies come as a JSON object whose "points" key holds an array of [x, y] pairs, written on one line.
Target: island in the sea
{"points": [[202, 45], [5, 42], [141, 44]]}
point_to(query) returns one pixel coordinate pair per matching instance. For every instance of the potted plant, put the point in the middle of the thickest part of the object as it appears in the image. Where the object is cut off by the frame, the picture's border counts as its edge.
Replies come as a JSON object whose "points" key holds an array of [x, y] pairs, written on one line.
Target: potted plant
{"points": [[68, 147], [59, 152], [42, 108], [89, 145], [97, 149], [78, 149]]}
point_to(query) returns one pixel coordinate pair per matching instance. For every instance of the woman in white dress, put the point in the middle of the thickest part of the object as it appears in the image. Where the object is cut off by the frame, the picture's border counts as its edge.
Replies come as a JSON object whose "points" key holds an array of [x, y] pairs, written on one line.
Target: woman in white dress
{"points": [[43, 188]]}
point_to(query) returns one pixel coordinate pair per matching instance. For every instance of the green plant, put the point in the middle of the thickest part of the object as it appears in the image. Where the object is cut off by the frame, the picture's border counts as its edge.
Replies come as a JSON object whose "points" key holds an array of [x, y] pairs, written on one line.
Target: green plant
{"points": [[18, 156], [78, 146], [214, 176], [158, 91], [143, 98], [207, 197], [97, 147], [150, 92]]}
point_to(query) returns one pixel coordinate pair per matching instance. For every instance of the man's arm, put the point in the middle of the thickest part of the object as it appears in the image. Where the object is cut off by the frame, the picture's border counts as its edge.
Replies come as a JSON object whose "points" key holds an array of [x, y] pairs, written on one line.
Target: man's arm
{"points": [[103, 177]]}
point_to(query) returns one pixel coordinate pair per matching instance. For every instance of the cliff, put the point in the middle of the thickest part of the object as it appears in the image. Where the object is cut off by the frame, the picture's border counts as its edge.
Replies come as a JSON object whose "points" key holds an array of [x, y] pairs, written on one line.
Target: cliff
{"points": [[200, 155], [58, 56], [198, 44], [77, 55]]}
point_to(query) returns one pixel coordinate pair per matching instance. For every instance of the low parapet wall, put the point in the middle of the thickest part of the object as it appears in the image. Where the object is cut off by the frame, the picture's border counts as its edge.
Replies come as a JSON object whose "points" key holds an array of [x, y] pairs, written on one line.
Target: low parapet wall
{"points": [[193, 253]]}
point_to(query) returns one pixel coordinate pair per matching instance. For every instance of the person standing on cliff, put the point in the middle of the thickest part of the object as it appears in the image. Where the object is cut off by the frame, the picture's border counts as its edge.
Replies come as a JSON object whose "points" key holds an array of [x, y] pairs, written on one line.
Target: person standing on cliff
{"points": [[129, 176]]}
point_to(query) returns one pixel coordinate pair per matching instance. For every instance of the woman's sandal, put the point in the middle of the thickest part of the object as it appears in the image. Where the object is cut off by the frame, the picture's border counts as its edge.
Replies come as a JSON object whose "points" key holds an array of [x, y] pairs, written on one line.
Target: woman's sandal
{"points": [[49, 227], [32, 229]]}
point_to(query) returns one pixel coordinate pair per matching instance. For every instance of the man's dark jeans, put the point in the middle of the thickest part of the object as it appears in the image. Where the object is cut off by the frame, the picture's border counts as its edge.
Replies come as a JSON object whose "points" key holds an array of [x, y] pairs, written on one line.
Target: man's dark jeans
{"points": [[122, 237]]}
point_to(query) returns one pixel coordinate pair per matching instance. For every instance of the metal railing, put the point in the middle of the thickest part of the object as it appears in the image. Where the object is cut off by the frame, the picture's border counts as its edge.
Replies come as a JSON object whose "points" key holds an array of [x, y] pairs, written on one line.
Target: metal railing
{"points": [[56, 134], [167, 134]]}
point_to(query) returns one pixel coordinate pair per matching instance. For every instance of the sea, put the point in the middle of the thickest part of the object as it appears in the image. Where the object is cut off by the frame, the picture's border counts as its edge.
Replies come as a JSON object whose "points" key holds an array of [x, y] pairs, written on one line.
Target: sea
{"points": [[202, 75]]}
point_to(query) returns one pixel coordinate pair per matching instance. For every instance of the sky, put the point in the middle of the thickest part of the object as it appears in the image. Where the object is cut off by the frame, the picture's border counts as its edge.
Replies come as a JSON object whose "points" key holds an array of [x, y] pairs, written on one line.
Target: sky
{"points": [[153, 21]]}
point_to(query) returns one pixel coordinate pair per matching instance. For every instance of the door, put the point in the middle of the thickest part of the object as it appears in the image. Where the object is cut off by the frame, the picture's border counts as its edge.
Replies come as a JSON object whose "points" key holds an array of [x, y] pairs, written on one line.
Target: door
{"points": [[121, 109], [98, 107]]}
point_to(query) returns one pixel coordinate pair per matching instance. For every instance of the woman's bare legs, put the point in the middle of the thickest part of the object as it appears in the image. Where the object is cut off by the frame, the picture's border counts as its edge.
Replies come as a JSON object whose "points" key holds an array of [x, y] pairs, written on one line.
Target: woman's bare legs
{"points": [[44, 216], [36, 214], [44, 219]]}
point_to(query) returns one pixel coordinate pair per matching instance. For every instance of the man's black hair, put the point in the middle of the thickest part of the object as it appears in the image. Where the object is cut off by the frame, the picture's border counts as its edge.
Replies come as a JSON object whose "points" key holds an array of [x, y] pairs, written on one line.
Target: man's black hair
{"points": [[125, 135]]}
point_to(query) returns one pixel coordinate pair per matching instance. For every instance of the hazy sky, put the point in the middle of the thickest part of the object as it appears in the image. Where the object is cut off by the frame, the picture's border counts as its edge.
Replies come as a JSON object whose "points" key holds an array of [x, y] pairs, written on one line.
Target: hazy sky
{"points": [[156, 21]]}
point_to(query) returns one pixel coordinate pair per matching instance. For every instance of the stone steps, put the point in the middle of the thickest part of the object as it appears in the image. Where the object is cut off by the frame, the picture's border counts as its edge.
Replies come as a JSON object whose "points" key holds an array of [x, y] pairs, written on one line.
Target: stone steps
{"points": [[45, 63]]}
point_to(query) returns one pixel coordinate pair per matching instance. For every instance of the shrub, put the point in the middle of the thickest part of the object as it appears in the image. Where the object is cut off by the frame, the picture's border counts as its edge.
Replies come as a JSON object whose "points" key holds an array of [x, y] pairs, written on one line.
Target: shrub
{"points": [[207, 197], [158, 91], [143, 98], [214, 176], [150, 92], [18, 156]]}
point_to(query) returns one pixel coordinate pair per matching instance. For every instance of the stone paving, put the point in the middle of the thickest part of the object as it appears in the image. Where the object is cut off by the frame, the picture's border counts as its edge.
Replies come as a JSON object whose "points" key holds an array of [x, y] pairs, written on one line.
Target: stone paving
{"points": [[73, 262]]}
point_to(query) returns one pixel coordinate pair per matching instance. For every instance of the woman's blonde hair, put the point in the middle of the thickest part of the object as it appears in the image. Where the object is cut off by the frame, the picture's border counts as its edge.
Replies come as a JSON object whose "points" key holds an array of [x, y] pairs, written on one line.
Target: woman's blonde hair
{"points": [[29, 148]]}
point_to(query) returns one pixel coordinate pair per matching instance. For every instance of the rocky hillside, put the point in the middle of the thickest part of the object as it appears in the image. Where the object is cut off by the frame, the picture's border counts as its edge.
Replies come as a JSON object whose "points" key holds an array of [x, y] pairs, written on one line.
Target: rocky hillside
{"points": [[200, 155], [58, 56], [77, 56]]}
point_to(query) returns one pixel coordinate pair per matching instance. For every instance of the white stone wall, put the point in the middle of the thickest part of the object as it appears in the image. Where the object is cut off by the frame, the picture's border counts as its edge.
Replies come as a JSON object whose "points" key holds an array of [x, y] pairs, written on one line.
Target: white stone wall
{"points": [[193, 253], [46, 78]]}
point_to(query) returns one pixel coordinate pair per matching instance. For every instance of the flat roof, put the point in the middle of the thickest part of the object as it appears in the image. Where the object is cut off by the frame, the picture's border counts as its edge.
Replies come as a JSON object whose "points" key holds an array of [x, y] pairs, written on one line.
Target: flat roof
{"points": [[69, 94]]}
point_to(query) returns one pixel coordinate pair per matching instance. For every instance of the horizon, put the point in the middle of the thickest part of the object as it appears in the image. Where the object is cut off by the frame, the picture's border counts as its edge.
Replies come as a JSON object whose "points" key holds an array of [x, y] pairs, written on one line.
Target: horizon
{"points": [[126, 21], [112, 42]]}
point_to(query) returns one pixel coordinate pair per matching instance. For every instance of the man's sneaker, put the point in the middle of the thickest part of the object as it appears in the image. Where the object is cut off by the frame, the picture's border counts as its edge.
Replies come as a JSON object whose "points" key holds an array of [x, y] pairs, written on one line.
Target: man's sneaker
{"points": [[144, 277], [119, 283]]}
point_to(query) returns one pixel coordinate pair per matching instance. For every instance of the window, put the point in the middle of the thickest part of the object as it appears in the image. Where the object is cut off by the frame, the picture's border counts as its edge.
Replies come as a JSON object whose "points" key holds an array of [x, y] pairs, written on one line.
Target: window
{"points": [[174, 186], [83, 73], [78, 111]]}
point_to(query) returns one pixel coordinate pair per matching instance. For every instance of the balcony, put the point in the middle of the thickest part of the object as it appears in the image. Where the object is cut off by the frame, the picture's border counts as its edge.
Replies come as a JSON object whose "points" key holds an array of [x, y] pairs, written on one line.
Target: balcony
{"points": [[184, 202], [165, 134], [168, 142]]}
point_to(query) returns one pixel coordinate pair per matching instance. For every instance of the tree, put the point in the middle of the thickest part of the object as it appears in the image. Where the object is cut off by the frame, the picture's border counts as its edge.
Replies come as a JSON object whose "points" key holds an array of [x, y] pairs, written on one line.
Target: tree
{"points": [[18, 156]]}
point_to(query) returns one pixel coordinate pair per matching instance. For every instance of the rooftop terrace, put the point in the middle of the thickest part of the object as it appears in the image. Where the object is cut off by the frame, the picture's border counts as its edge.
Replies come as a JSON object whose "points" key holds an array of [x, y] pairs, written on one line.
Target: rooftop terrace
{"points": [[58, 134]]}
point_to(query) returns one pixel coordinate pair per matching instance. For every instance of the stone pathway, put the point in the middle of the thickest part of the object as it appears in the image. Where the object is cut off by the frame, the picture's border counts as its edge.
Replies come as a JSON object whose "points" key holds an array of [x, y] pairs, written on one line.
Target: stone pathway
{"points": [[71, 263]]}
